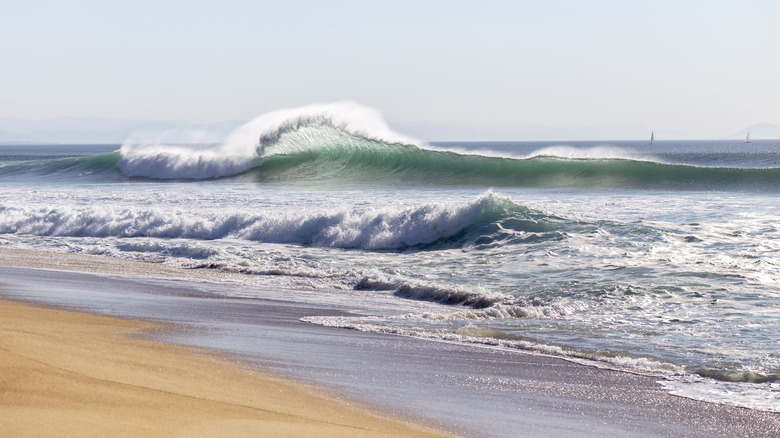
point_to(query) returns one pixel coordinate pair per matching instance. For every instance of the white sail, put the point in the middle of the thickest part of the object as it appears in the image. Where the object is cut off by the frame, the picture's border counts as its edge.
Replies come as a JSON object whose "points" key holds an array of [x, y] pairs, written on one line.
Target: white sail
{"points": [[747, 139], [652, 137]]}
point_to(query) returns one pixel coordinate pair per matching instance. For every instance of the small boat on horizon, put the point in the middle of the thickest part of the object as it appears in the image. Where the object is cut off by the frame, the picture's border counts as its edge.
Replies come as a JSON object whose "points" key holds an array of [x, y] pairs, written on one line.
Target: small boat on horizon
{"points": [[747, 139], [652, 137]]}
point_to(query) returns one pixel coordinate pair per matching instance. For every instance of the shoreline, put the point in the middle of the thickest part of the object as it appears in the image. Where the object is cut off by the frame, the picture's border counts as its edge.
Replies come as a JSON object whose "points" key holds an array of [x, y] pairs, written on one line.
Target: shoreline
{"points": [[76, 374], [546, 396]]}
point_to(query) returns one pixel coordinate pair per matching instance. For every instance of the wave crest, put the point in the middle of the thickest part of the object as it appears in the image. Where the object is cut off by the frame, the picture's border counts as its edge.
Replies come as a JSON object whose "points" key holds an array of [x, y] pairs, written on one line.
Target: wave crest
{"points": [[164, 157]]}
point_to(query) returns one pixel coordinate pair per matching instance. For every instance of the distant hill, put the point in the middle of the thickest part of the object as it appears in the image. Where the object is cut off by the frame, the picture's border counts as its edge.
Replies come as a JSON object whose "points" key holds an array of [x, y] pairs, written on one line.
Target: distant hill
{"points": [[569, 133], [520, 132], [98, 130], [91, 130], [759, 131], [533, 133]]}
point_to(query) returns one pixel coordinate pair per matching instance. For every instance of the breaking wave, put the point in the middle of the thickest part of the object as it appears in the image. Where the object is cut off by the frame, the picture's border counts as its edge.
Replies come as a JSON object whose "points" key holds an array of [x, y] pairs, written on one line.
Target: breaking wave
{"points": [[348, 143], [488, 220], [251, 144]]}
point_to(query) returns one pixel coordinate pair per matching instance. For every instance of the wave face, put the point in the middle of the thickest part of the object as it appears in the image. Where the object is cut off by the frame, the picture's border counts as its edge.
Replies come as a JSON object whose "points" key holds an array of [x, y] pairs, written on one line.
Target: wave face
{"points": [[489, 220], [100, 165], [350, 159]]}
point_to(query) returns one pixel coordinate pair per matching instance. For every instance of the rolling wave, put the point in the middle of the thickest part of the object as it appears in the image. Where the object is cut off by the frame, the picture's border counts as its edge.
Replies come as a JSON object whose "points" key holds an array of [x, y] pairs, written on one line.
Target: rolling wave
{"points": [[348, 159], [488, 220], [347, 143], [63, 167]]}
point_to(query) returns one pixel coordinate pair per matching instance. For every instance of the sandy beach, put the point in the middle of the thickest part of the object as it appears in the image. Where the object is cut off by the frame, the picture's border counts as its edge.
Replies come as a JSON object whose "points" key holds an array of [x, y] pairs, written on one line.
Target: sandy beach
{"points": [[73, 374], [69, 373]]}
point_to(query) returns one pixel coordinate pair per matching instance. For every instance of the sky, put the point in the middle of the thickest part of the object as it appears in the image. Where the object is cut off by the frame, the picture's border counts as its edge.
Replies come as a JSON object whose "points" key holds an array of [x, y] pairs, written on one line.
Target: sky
{"points": [[704, 67]]}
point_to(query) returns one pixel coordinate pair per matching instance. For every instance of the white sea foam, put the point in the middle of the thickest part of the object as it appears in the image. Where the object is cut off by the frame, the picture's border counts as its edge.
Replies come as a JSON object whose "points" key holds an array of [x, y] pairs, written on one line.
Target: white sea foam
{"points": [[762, 396], [493, 338], [598, 152], [386, 228], [603, 152]]}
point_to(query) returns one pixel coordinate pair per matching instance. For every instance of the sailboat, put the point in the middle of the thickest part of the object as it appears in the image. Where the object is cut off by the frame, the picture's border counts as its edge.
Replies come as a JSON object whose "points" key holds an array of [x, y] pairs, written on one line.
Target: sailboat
{"points": [[652, 137], [747, 139]]}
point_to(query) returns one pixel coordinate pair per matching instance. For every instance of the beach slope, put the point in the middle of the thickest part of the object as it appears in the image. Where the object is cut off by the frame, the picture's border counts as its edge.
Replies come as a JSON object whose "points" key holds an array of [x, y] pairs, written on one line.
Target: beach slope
{"points": [[71, 374]]}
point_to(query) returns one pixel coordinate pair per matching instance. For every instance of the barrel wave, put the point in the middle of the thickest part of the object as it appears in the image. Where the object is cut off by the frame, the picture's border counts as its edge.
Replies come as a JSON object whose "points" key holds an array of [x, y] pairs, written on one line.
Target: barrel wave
{"points": [[346, 143]]}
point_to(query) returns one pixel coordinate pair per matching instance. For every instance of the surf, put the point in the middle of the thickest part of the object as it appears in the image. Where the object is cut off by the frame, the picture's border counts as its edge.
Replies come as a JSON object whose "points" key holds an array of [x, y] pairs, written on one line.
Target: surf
{"points": [[486, 221]]}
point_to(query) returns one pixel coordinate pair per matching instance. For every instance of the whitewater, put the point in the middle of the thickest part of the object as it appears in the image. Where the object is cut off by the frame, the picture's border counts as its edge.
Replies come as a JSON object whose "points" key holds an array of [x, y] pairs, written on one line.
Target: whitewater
{"points": [[659, 259]]}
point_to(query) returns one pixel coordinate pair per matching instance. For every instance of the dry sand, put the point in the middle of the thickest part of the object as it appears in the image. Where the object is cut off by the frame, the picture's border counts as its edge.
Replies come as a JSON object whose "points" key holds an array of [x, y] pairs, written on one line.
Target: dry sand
{"points": [[72, 374]]}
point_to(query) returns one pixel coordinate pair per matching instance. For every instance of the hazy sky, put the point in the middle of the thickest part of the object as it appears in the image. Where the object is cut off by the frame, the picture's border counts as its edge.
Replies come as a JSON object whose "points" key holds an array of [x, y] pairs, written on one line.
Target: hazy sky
{"points": [[706, 66]]}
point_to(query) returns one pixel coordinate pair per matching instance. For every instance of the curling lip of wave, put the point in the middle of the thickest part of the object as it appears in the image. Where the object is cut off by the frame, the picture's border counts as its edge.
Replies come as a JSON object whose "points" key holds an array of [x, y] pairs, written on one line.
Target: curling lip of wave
{"points": [[246, 146]]}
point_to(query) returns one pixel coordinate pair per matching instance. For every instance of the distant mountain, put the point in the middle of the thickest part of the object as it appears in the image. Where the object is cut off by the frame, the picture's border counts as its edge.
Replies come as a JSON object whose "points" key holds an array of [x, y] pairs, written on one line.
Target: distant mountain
{"points": [[568, 133], [759, 131], [99, 130], [521, 133]]}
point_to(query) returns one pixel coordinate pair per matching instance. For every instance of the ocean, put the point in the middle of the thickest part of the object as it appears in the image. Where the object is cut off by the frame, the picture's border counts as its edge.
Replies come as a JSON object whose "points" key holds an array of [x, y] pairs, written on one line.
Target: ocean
{"points": [[660, 259]]}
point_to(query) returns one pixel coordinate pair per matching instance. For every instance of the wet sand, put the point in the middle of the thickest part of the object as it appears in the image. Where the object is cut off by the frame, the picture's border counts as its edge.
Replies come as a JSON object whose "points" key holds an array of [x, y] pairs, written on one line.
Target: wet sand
{"points": [[478, 391]]}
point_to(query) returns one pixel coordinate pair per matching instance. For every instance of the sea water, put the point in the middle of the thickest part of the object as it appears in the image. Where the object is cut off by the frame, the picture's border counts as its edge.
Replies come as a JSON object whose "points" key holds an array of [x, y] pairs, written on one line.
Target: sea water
{"points": [[661, 259]]}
